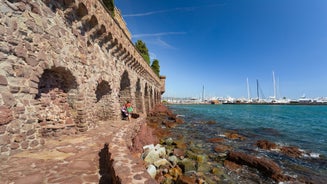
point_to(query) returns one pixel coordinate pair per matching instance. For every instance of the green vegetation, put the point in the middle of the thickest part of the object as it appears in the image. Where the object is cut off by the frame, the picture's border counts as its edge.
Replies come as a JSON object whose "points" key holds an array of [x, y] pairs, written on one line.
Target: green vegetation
{"points": [[141, 47], [110, 5], [156, 67]]}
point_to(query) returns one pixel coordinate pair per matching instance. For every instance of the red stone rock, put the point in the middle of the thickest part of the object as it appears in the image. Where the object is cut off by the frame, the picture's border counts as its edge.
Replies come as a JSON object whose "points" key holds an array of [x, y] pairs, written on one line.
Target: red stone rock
{"points": [[5, 115], [231, 165], [216, 140], [291, 151], [179, 120], [3, 81], [264, 144], [179, 152], [34, 143], [143, 137], [14, 145], [222, 148], [265, 166], [69, 121], [186, 179], [4, 140], [234, 136]]}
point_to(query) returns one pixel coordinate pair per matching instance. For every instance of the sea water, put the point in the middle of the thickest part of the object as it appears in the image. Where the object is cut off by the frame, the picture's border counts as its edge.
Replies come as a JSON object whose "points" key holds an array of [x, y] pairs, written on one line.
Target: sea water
{"points": [[302, 126]]}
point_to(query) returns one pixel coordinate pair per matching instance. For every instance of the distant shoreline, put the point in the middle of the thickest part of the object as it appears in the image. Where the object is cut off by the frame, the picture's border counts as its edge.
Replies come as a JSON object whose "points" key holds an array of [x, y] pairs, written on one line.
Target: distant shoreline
{"points": [[267, 103]]}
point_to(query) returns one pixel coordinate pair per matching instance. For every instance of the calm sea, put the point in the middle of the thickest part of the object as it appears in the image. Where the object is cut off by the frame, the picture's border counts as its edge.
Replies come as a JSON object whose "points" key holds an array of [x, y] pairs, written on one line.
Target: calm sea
{"points": [[287, 125]]}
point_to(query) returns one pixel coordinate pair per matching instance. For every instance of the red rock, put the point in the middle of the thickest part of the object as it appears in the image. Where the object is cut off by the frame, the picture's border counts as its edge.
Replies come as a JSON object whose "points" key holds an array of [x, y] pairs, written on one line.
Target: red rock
{"points": [[291, 151], [216, 140], [5, 115], [179, 120], [186, 179], [3, 81], [179, 152], [234, 136], [264, 144], [231, 165], [222, 148], [69, 121], [144, 137], [267, 167]]}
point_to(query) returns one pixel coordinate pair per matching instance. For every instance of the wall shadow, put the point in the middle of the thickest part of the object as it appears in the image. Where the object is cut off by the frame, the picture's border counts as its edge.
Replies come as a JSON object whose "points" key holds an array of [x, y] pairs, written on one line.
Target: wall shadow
{"points": [[107, 172]]}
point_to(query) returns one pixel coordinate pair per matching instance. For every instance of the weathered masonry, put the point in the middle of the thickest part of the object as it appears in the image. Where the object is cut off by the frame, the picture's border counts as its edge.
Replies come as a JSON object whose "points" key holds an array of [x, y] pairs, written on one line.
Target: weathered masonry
{"points": [[64, 65]]}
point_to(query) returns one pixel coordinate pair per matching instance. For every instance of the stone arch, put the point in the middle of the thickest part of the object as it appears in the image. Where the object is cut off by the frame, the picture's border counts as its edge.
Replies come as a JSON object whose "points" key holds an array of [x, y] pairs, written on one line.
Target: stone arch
{"points": [[57, 77], [57, 91], [103, 100], [146, 98], [125, 88], [138, 97]]}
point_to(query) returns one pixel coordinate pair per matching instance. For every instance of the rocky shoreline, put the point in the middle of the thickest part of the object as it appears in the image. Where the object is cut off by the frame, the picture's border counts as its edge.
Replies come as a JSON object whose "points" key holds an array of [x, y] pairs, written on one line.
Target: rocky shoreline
{"points": [[176, 160]]}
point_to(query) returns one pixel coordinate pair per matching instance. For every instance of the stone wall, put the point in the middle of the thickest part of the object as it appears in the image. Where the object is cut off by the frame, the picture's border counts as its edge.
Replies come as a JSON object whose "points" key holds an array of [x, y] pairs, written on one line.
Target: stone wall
{"points": [[64, 65]]}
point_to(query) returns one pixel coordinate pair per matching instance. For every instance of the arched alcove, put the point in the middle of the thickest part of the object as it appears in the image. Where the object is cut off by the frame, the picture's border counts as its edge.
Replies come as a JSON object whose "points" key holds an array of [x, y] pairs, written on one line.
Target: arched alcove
{"points": [[138, 97], [81, 11], [146, 98], [57, 91], [104, 103], [125, 89], [151, 98]]}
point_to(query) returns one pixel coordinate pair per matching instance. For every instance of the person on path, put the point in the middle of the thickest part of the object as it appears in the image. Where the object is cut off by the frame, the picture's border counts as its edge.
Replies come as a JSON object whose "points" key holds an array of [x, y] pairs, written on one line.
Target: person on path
{"points": [[127, 110]]}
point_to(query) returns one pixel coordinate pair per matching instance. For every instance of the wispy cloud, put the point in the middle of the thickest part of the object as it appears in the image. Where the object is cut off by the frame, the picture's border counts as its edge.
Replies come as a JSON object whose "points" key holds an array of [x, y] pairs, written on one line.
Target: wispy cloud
{"points": [[171, 10], [164, 44], [157, 34]]}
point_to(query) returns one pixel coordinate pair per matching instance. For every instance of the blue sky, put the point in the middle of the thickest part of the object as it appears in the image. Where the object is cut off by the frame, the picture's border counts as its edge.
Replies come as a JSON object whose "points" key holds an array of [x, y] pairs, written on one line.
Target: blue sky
{"points": [[220, 43]]}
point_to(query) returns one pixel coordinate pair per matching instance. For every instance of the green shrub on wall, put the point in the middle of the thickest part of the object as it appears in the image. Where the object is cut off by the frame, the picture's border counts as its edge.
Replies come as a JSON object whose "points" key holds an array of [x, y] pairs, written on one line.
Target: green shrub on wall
{"points": [[110, 5]]}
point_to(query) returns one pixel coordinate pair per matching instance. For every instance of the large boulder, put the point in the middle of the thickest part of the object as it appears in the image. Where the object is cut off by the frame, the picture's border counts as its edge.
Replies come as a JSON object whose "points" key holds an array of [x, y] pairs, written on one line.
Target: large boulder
{"points": [[265, 166]]}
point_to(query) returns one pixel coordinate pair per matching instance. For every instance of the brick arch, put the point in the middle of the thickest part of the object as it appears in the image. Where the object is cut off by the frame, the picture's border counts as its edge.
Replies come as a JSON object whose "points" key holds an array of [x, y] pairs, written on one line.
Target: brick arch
{"points": [[57, 91], [125, 88]]}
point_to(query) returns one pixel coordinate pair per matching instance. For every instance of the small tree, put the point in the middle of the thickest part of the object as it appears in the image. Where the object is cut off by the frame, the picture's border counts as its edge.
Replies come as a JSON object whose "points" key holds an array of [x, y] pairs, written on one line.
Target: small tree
{"points": [[156, 67], [110, 5], [141, 47]]}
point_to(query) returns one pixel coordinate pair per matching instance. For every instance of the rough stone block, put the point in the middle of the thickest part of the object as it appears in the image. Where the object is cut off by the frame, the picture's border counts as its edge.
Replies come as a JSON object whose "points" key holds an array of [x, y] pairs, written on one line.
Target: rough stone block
{"points": [[32, 60], [3, 80], [34, 143], [14, 146], [4, 140], [5, 115]]}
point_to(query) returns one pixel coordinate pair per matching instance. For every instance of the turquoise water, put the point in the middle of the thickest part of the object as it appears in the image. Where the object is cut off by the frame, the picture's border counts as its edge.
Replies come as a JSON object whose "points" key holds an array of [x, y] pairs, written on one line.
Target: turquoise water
{"points": [[294, 125], [287, 125]]}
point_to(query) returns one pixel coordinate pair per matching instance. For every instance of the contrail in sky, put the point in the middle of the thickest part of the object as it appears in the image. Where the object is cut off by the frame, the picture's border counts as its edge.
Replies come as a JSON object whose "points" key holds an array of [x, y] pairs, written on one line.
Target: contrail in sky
{"points": [[169, 10], [158, 34]]}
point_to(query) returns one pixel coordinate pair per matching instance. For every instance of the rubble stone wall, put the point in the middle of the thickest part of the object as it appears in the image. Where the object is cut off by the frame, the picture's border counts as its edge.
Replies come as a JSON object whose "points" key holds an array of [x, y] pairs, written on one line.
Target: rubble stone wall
{"points": [[64, 65]]}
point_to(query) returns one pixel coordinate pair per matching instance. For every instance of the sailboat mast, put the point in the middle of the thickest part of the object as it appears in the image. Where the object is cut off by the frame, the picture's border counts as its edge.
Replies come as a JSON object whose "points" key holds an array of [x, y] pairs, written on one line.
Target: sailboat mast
{"points": [[274, 81], [258, 89], [248, 88]]}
